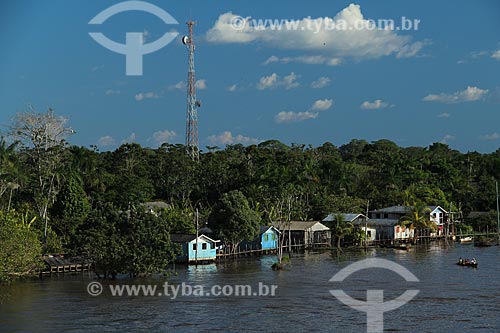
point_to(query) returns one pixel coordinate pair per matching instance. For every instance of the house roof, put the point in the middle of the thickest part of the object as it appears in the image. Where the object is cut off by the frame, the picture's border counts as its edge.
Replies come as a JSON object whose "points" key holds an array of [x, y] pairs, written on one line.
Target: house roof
{"points": [[155, 205], [403, 209], [186, 238], [302, 226], [393, 209], [433, 208], [349, 217], [264, 228]]}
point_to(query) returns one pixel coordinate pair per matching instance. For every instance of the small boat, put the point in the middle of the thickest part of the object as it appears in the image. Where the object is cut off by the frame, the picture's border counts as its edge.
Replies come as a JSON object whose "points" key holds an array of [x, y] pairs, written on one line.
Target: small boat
{"points": [[405, 247], [466, 240], [467, 264]]}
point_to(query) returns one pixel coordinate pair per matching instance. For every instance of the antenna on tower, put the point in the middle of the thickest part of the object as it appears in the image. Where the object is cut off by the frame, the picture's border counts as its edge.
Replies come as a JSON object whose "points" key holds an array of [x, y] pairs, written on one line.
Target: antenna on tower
{"points": [[192, 147]]}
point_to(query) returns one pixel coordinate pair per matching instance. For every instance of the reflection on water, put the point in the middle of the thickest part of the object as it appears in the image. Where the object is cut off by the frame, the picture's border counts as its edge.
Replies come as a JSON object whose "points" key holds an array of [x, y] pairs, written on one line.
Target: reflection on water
{"points": [[452, 298]]}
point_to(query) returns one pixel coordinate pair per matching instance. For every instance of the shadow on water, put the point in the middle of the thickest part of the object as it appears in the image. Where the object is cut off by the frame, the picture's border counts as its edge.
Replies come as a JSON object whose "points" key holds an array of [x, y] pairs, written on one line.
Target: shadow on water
{"points": [[451, 298]]}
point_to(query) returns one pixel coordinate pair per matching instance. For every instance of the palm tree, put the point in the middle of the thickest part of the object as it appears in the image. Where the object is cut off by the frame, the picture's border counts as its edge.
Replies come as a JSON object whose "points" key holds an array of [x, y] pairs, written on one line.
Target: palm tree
{"points": [[418, 218], [340, 228]]}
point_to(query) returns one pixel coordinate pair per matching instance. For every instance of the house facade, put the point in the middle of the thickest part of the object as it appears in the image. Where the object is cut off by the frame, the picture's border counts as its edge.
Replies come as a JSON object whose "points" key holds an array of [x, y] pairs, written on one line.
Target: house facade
{"points": [[387, 221], [306, 233], [360, 221], [194, 250], [266, 240]]}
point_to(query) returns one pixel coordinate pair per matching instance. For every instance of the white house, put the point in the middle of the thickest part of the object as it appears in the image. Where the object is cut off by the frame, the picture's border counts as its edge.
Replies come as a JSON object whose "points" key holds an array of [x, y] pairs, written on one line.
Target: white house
{"points": [[358, 220]]}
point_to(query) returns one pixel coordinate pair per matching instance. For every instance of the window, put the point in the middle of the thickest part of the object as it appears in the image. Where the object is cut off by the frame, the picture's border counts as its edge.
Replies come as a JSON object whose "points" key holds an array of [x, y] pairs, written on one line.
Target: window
{"points": [[204, 246], [266, 238], [194, 247], [273, 236], [212, 246], [386, 216]]}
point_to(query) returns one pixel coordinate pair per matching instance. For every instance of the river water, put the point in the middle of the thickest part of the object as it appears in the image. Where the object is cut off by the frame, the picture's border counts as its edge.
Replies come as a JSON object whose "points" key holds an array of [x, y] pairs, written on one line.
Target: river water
{"points": [[451, 298]]}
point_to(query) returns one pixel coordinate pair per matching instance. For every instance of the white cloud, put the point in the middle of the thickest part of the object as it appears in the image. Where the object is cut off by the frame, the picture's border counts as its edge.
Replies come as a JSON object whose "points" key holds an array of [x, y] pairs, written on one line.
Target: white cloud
{"points": [[447, 138], [322, 104], [112, 92], [273, 81], [178, 86], [375, 105], [163, 136], [315, 34], [96, 68], [293, 117], [444, 115], [305, 59], [312, 113], [490, 137], [144, 95], [201, 84], [468, 95], [227, 138], [106, 141], [131, 138], [496, 55], [232, 87], [321, 82]]}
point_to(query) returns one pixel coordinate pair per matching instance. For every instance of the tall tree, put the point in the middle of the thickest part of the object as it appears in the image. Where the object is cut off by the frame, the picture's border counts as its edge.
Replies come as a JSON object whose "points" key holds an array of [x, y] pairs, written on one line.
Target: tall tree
{"points": [[42, 136], [234, 220]]}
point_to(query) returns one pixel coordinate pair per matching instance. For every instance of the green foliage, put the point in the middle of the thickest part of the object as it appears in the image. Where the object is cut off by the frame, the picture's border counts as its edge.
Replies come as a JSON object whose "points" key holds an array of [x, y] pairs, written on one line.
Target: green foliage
{"points": [[20, 248], [340, 228], [234, 220], [70, 209], [133, 242]]}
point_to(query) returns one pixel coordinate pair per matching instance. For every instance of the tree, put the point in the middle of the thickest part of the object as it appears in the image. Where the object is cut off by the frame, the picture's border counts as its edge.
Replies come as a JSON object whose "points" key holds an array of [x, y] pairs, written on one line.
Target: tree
{"points": [[234, 220], [70, 209], [20, 249], [418, 218], [126, 242], [340, 228], [42, 136]]}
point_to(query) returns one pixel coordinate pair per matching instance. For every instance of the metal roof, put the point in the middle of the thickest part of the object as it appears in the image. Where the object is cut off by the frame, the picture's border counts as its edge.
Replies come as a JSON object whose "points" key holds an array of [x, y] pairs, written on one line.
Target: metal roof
{"points": [[302, 226], [384, 222], [349, 217]]}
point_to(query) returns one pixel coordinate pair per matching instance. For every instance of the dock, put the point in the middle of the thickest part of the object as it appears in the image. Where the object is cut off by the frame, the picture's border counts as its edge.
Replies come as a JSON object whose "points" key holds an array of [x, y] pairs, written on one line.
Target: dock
{"points": [[59, 263]]}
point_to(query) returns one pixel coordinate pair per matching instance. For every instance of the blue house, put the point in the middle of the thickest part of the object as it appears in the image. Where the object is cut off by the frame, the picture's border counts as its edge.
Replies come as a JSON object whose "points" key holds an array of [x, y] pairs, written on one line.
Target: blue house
{"points": [[269, 238], [266, 240], [193, 250]]}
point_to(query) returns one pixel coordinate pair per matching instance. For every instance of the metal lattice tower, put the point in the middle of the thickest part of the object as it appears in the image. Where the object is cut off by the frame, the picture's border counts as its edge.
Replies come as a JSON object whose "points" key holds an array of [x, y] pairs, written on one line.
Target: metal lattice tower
{"points": [[192, 147]]}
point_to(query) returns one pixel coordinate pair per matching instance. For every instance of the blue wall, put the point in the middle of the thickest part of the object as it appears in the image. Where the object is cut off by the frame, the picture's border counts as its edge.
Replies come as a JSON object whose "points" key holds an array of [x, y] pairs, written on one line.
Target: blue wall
{"points": [[269, 240], [208, 253]]}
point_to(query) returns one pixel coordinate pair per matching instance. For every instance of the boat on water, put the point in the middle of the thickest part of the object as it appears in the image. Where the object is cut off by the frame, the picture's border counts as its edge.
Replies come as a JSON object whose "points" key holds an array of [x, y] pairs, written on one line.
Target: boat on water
{"points": [[467, 264], [466, 240]]}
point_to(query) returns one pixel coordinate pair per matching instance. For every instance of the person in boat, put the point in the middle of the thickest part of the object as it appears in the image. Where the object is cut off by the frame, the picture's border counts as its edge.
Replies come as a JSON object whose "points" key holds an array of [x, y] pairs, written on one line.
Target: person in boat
{"points": [[473, 261], [460, 260], [466, 261]]}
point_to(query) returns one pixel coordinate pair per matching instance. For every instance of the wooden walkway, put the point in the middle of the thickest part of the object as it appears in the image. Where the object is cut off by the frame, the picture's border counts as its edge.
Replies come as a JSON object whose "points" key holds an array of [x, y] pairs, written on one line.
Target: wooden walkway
{"points": [[256, 252], [60, 264]]}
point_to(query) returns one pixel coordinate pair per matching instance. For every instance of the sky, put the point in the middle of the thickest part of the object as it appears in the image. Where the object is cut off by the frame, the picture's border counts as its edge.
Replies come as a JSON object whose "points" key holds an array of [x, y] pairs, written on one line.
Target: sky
{"points": [[331, 75]]}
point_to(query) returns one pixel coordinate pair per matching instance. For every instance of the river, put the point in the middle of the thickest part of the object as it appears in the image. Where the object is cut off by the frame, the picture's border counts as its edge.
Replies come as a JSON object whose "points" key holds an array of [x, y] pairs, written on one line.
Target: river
{"points": [[451, 298]]}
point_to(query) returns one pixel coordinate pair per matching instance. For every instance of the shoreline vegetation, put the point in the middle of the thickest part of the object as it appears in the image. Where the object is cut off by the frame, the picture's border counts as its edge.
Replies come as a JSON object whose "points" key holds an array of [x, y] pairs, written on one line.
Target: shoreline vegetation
{"points": [[59, 198]]}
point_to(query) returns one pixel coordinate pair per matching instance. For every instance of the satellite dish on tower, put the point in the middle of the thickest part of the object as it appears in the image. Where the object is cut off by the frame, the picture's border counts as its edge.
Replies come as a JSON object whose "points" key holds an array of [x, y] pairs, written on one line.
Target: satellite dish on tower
{"points": [[185, 40]]}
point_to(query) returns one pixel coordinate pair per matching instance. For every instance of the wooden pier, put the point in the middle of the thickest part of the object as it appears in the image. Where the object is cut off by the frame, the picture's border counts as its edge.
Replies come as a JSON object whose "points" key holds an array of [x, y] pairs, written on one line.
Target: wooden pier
{"points": [[56, 264]]}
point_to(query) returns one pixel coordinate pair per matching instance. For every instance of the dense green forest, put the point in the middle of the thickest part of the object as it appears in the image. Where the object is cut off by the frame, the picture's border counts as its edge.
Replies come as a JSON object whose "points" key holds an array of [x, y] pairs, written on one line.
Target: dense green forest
{"points": [[55, 197]]}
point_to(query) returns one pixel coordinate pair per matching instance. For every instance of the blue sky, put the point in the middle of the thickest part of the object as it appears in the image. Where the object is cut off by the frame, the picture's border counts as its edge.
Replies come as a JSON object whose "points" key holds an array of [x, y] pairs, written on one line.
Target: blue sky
{"points": [[440, 83]]}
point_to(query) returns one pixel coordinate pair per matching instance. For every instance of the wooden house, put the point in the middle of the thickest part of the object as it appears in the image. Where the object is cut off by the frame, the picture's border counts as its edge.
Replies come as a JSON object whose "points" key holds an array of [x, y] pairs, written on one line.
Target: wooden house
{"points": [[306, 233], [194, 250], [266, 240]]}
